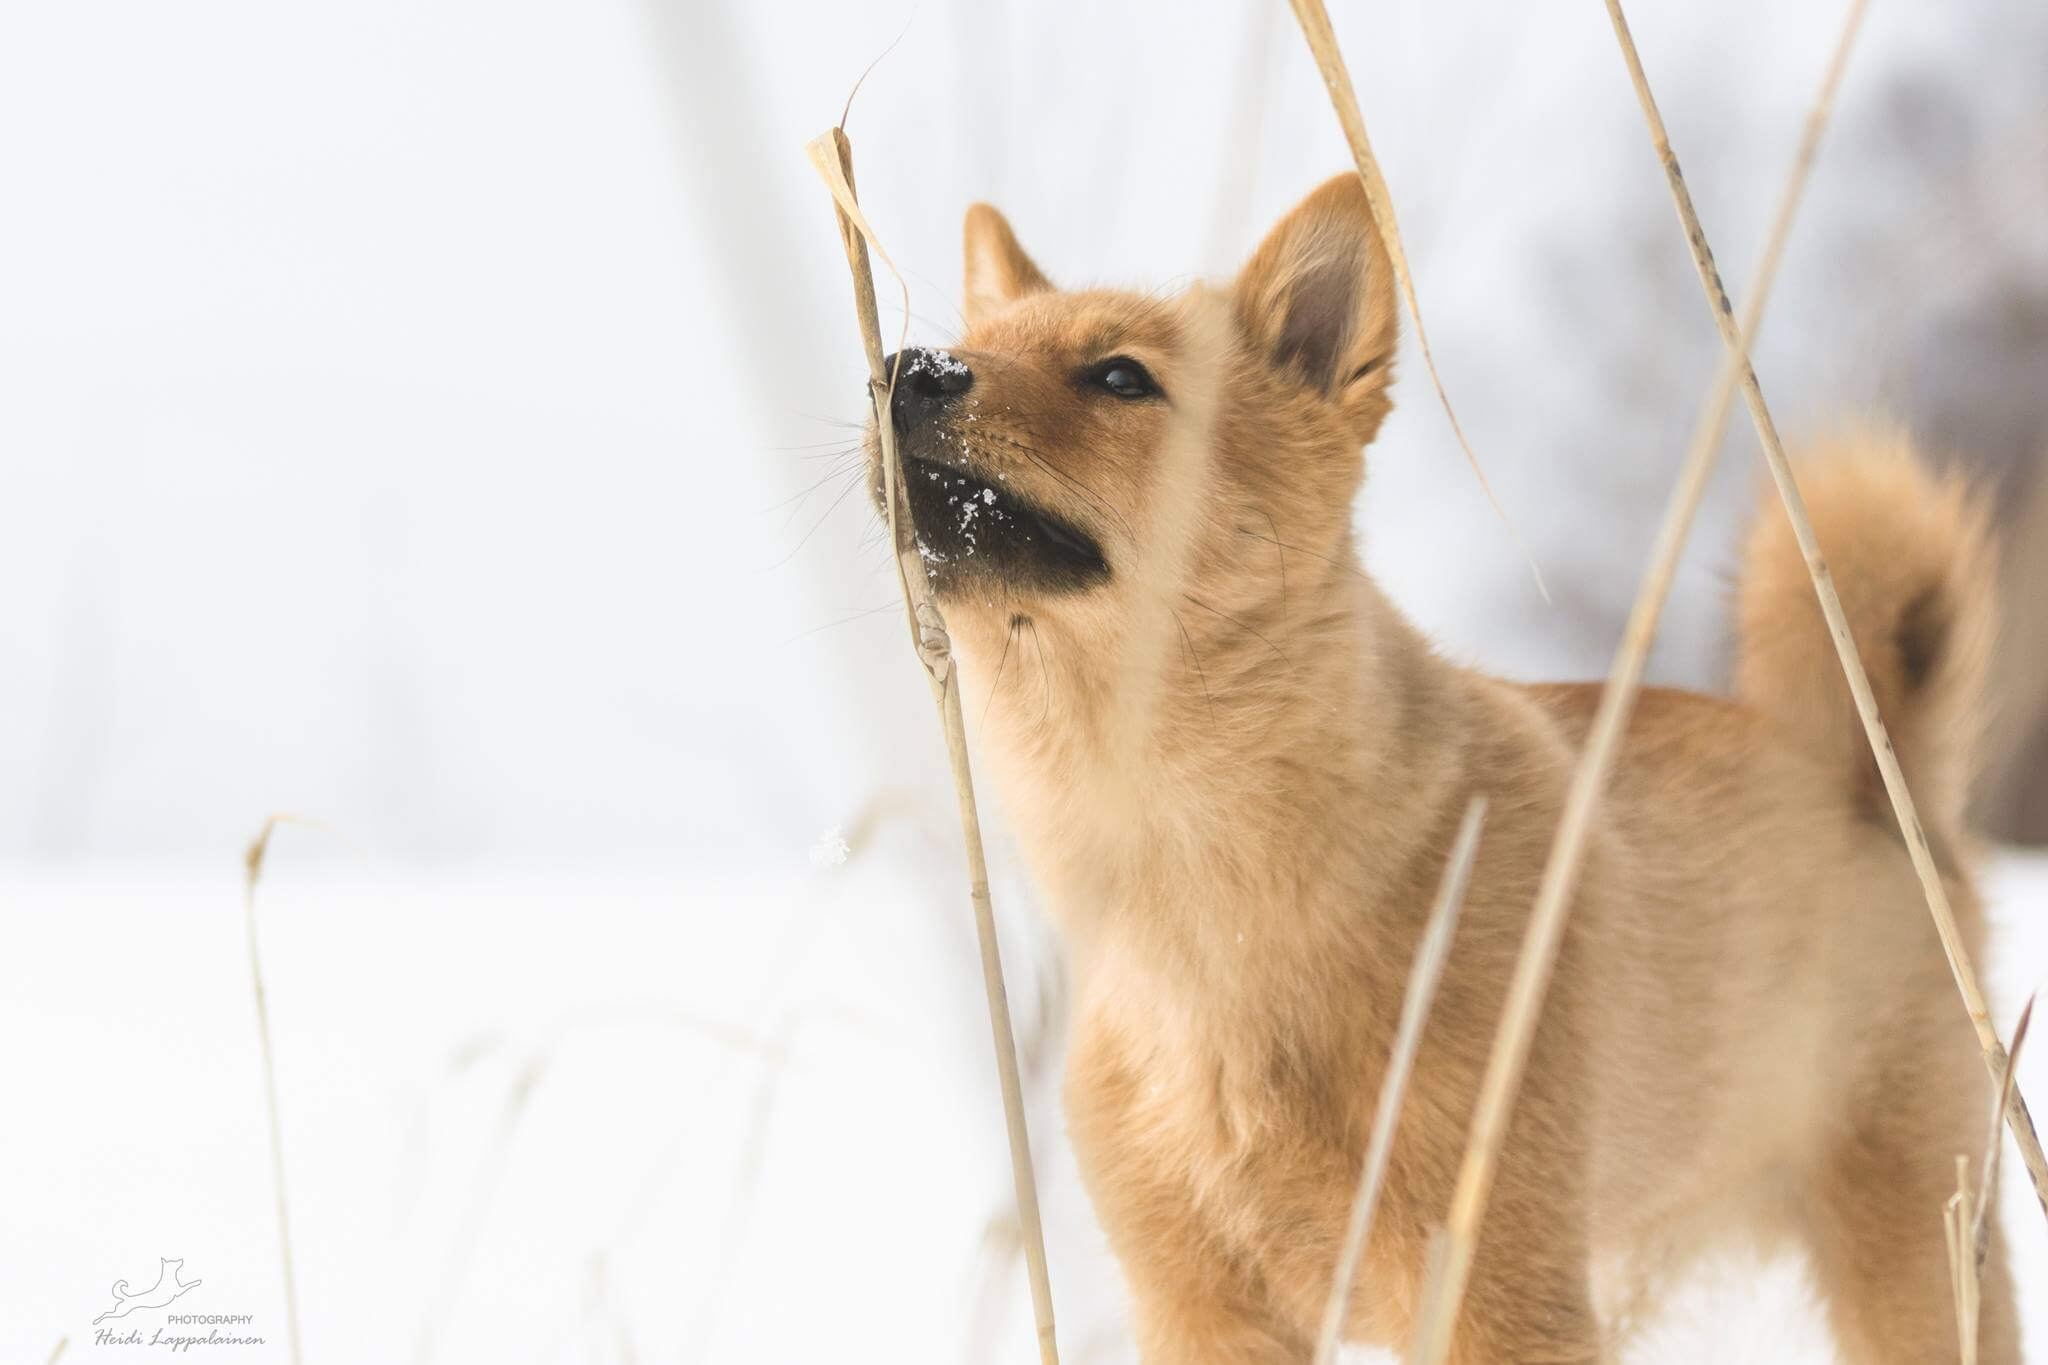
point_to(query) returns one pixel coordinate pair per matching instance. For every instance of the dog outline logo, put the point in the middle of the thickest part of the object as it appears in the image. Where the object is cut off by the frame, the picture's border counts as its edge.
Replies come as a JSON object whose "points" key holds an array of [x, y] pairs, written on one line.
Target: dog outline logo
{"points": [[168, 1286]]}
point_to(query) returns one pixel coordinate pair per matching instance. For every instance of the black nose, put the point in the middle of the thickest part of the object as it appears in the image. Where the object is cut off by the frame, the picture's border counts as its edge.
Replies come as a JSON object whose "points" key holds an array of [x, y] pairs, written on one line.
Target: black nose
{"points": [[926, 380]]}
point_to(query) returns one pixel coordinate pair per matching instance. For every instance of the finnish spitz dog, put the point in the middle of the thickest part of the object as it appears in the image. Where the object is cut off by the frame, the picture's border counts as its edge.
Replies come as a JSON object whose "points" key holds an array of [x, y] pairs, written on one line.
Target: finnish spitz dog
{"points": [[1235, 770]]}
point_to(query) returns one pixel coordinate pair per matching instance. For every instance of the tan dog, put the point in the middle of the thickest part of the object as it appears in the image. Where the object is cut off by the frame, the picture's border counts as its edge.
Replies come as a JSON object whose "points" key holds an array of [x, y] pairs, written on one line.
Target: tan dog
{"points": [[1236, 770]]}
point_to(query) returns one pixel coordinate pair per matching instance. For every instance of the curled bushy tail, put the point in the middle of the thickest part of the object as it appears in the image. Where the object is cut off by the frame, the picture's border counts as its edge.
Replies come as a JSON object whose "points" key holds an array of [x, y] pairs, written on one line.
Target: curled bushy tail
{"points": [[1913, 562]]}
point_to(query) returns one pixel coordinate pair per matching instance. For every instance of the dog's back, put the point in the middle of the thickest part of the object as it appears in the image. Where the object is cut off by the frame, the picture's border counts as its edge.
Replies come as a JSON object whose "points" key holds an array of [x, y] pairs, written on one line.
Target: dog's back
{"points": [[1776, 1040]]}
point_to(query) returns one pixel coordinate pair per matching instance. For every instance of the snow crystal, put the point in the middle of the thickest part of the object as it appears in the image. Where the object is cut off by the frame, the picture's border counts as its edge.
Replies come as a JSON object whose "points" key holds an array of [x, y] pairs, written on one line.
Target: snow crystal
{"points": [[935, 362], [831, 849]]}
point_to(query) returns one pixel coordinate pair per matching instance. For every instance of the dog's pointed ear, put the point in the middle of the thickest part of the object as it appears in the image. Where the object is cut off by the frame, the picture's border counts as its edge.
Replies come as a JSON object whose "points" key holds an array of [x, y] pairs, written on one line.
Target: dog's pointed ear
{"points": [[1318, 295], [998, 272]]}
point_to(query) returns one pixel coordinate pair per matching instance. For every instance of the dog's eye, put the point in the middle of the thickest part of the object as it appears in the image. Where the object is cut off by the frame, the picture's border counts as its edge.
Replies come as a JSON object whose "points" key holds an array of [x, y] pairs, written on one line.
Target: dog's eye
{"points": [[1124, 377]]}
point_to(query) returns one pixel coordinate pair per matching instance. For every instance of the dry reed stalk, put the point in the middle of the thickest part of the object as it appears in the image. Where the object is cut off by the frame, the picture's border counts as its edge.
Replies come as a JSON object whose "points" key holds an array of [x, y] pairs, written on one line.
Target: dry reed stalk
{"points": [[1965, 1217], [832, 156], [1956, 1218], [1444, 1291], [252, 872], [1421, 993], [1980, 1231], [742, 1189], [2018, 1118], [490, 1175], [1322, 42]]}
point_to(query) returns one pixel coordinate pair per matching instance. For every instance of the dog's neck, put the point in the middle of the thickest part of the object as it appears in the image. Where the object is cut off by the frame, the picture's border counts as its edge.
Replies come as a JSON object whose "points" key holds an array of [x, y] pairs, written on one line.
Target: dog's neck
{"points": [[1293, 762]]}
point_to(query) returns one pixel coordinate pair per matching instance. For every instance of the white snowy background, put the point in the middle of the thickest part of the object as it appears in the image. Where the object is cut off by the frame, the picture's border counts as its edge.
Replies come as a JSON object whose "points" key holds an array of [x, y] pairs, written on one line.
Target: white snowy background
{"points": [[422, 417]]}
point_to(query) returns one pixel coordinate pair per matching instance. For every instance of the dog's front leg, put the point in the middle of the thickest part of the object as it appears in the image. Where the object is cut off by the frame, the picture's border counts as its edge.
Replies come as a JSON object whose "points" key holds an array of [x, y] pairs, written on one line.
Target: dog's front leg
{"points": [[1194, 1302]]}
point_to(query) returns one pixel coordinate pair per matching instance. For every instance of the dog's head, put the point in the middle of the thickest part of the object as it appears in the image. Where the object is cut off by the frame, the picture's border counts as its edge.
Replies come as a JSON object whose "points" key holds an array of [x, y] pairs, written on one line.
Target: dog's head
{"points": [[1039, 451], [1143, 478]]}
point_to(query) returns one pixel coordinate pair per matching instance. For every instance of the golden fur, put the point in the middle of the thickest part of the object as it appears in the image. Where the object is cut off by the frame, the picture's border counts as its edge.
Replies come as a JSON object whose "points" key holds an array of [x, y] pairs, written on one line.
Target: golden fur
{"points": [[1236, 770]]}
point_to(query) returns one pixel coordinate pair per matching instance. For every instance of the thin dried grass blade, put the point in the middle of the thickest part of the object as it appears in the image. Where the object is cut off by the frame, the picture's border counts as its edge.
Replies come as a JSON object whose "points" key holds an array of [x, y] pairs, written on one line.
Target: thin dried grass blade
{"points": [[1994, 1146], [1435, 1266], [831, 154], [252, 873], [2018, 1118], [1322, 42], [1951, 1214], [485, 1185], [1423, 975], [1436, 1318], [1956, 1217]]}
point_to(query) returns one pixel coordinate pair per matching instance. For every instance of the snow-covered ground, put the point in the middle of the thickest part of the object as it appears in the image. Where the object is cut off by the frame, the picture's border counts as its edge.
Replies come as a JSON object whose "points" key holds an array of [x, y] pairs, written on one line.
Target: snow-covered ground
{"points": [[579, 1115]]}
